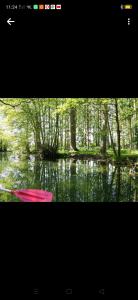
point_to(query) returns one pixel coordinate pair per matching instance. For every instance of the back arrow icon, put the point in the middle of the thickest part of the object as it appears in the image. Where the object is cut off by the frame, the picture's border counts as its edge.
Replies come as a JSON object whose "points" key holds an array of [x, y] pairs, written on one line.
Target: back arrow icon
{"points": [[9, 21]]}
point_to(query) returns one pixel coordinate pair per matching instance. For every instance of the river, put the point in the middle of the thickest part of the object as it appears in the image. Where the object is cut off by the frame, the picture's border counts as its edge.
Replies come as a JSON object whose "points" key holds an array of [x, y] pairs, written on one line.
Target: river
{"points": [[68, 179]]}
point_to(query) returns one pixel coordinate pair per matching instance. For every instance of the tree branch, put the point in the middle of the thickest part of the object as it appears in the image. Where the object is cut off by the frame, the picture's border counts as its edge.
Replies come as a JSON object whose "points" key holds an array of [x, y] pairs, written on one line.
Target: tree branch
{"points": [[13, 106]]}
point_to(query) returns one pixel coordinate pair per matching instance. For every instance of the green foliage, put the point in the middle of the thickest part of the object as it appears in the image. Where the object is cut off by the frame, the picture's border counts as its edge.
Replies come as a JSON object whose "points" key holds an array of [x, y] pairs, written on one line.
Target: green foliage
{"points": [[33, 124]]}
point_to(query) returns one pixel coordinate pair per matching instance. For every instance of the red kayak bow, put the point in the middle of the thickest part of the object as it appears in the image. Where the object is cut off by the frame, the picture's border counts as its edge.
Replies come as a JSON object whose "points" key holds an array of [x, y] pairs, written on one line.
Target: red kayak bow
{"points": [[31, 195]]}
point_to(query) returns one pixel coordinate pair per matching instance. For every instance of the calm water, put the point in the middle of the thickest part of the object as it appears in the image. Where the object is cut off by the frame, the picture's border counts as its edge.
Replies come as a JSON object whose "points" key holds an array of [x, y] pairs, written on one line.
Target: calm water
{"points": [[68, 180]]}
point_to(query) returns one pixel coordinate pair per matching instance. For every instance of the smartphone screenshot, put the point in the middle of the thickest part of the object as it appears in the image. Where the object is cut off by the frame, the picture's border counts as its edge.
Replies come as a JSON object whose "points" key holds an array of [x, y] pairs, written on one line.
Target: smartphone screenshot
{"points": [[68, 149]]}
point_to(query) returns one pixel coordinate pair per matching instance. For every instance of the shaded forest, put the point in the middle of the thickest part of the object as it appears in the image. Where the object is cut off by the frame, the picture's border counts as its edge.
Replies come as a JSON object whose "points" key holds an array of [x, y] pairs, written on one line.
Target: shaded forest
{"points": [[48, 126]]}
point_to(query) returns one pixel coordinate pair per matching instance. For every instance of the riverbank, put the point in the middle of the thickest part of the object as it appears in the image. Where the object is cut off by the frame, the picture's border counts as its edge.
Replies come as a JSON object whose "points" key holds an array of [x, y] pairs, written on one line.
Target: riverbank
{"points": [[127, 156]]}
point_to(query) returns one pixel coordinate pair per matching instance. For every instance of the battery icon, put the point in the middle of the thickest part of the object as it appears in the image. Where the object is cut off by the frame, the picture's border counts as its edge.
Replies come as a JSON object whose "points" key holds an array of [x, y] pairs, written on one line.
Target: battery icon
{"points": [[126, 6]]}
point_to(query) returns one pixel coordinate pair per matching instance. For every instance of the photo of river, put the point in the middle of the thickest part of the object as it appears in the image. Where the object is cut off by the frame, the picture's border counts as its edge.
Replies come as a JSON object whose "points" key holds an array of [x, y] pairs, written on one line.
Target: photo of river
{"points": [[76, 149]]}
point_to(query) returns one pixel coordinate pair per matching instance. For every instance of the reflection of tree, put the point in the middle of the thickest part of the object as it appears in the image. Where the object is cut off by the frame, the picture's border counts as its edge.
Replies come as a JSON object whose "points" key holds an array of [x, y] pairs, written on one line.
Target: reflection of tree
{"points": [[112, 183], [69, 180], [105, 183], [73, 168], [118, 183], [136, 189], [73, 181], [3, 156], [130, 188], [37, 172]]}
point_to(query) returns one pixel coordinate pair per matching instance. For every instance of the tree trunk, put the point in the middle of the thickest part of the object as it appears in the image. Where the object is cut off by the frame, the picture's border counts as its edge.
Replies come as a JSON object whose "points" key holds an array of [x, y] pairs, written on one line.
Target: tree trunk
{"points": [[98, 129], [88, 129], [37, 141], [112, 142], [56, 137], [130, 133], [118, 129], [67, 134], [105, 130], [73, 128], [136, 121]]}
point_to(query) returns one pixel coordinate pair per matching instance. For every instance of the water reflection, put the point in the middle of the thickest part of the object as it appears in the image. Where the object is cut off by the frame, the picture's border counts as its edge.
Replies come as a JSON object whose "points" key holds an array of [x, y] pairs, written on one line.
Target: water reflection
{"points": [[69, 180]]}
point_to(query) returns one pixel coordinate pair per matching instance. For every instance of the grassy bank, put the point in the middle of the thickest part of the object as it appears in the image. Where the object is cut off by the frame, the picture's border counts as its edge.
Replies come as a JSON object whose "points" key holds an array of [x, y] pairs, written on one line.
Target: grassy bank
{"points": [[126, 154]]}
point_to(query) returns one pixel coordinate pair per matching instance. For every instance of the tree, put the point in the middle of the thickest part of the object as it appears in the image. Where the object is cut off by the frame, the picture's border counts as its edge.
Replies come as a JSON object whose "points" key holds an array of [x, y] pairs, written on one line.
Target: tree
{"points": [[105, 129], [118, 128], [136, 122], [48, 125], [73, 128]]}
